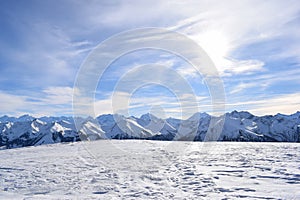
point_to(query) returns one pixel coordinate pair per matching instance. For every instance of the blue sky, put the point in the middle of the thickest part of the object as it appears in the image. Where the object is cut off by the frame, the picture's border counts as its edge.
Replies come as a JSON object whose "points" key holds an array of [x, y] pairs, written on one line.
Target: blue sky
{"points": [[254, 44]]}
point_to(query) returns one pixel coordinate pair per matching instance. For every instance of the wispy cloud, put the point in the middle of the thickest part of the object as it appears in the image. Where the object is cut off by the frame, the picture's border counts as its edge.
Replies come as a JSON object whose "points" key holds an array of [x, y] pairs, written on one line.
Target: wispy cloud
{"points": [[222, 32], [244, 86], [52, 101], [244, 67], [47, 56], [284, 103], [11, 104], [254, 45]]}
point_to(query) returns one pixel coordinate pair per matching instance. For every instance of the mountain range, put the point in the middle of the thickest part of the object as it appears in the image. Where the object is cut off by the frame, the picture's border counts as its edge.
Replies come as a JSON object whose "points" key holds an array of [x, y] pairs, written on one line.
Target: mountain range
{"points": [[235, 126]]}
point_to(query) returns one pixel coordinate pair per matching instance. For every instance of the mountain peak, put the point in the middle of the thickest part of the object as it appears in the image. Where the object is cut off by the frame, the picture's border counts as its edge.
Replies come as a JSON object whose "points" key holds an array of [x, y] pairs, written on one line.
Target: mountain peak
{"points": [[25, 117], [198, 116], [238, 126], [148, 117], [241, 114]]}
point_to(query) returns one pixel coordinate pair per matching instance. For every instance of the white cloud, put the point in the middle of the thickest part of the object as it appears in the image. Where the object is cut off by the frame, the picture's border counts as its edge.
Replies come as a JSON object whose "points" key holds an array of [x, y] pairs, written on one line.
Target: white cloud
{"points": [[264, 80], [284, 103], [51, 54], [103, 106], [58, 95], [187, 71], [244, 67], [243, 86], [47, 54], [51, 101], [10, 103], [221, 28]]}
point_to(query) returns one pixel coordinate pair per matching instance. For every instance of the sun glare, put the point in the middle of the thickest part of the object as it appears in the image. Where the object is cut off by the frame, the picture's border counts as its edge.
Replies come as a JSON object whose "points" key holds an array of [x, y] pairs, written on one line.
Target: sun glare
{"points": [[215, 44]]}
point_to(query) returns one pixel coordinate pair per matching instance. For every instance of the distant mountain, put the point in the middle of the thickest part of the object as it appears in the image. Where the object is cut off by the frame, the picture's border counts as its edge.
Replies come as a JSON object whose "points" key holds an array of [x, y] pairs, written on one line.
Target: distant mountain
{"points": [[235, 126]]}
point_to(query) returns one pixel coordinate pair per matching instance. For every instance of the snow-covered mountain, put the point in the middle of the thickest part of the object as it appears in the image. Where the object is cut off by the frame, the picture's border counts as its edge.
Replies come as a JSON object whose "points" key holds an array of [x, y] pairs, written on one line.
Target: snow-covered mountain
{"points": [[119, 127], [235, 126]]}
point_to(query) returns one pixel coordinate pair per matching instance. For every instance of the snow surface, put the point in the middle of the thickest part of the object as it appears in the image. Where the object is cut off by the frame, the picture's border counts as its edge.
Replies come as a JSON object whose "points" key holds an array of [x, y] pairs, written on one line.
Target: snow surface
{"points": [[138, 169]]}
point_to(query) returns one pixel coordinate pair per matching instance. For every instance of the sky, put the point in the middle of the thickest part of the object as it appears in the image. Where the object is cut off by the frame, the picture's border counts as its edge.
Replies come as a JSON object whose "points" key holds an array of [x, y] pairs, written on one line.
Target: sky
{"points": [[254, 45]]}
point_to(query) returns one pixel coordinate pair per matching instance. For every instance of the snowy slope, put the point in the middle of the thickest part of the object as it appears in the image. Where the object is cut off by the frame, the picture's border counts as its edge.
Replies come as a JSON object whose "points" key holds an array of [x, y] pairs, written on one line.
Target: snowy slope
{"points": [[137, 169], [90, 130], [35, 132], [120, 127], [160, 127]]}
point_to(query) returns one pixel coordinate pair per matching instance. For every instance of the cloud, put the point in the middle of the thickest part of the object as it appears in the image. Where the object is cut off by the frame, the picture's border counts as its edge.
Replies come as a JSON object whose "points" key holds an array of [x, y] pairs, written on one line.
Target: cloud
{"points": [[244, 67], [283, 103], [10, 103], [188, 71], [45, 56], [51, 101], [243, 86], [44, 45], [58, 101], [170, 104], [58, 95], [222, 32], [263, 82]]}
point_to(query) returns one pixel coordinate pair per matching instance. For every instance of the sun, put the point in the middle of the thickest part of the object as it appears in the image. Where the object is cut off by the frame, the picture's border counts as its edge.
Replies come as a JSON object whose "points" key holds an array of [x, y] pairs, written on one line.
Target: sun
{"points": [[215, 44]]}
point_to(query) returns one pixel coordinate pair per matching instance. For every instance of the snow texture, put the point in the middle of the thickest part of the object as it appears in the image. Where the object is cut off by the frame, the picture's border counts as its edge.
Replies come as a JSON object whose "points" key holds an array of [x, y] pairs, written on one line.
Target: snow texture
{"points": [[143, 169]]}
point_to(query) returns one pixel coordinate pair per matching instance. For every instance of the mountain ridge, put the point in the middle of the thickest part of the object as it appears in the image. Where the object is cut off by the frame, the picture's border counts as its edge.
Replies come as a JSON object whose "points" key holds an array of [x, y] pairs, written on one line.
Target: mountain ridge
{"points": [[234, 126]]}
